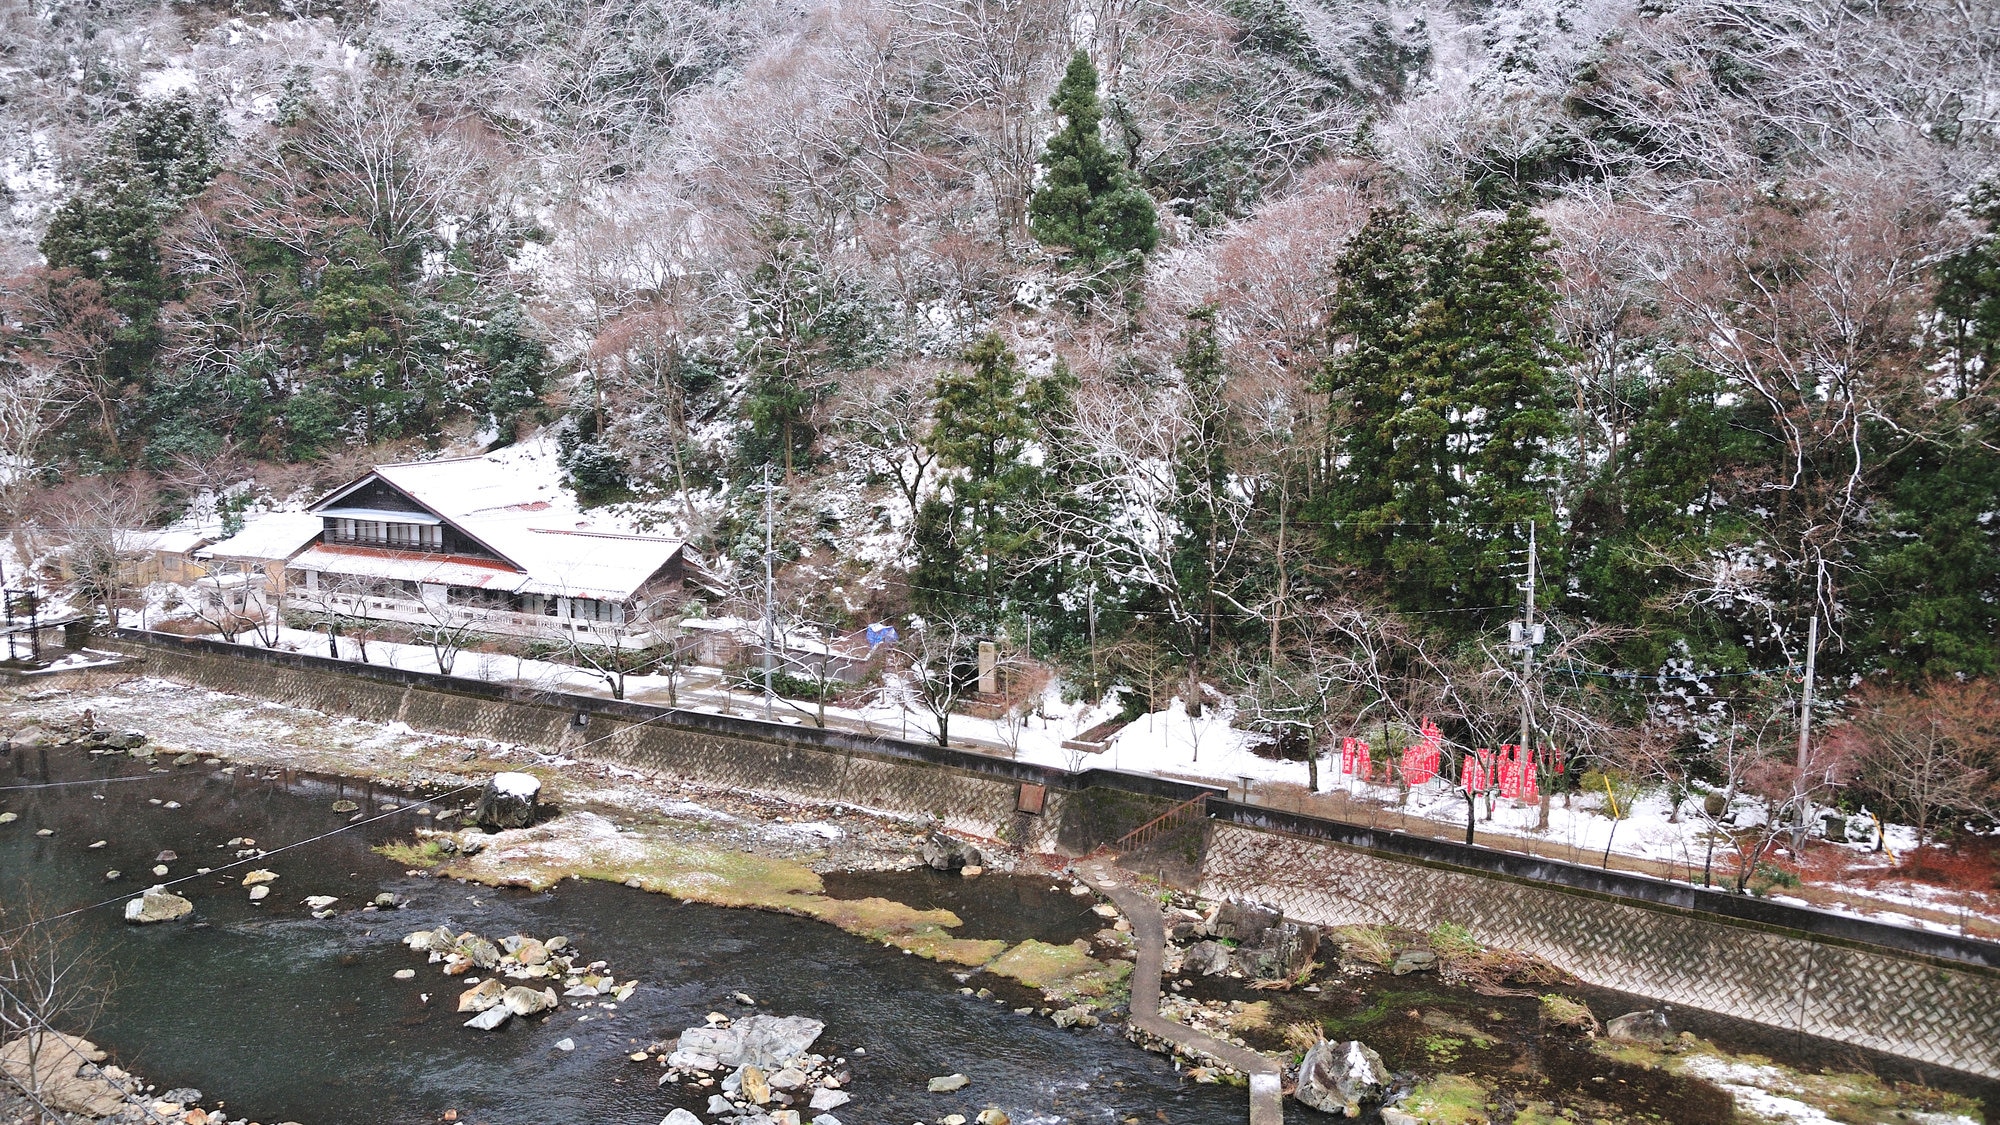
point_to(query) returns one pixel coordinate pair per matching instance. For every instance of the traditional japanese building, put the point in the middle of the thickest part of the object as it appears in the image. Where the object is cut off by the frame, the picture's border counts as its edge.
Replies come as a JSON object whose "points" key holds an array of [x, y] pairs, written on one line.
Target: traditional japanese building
{"points": [[466, 542]]}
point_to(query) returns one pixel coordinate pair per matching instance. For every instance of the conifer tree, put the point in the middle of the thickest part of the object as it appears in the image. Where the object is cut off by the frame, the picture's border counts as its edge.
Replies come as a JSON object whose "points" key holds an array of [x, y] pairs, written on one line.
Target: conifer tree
{"points": [[1445, 424], [982, 427], [1085, 206]]}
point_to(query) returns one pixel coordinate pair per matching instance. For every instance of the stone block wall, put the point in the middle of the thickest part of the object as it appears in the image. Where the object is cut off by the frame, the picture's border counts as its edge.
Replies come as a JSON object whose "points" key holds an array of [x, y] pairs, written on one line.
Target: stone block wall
{"points": [[1944, 1014]]}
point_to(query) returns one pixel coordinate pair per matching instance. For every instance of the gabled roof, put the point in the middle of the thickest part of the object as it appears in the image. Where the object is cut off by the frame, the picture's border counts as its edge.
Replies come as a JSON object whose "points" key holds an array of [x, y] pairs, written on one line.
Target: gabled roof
{"points": [[513, 503]]}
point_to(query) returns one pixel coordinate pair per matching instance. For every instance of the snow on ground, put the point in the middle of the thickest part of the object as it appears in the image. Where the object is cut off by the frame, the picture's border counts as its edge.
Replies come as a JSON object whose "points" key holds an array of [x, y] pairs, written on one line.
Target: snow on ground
{"points": [[1170, 744], [1758, 1090]]}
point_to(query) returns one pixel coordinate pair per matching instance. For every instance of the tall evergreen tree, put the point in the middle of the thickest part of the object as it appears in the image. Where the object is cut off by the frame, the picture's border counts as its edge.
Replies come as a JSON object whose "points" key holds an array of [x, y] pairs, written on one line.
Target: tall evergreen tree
{"points": [[982, 428], [1932, 593], [1085, 206], [1445, 425]]}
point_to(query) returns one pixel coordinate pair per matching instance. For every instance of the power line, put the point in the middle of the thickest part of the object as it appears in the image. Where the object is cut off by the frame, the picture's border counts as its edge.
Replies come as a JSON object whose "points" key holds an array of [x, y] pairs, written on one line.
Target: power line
{"points": [[258, 858], [94, 781]]}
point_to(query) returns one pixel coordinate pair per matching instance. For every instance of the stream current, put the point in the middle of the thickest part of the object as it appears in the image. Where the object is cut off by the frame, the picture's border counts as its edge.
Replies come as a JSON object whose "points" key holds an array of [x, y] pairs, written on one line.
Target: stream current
{"points": [[288, 1018]]}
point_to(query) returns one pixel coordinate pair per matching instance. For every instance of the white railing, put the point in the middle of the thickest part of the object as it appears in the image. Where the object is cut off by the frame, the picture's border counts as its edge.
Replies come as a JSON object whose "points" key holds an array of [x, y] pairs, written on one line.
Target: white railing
{"points": [[479, 618]]}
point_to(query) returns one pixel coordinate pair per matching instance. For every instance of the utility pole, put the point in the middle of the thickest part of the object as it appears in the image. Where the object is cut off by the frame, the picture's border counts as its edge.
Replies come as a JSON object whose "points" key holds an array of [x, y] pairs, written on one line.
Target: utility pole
{"points": [[1812, 656], [770, 599], [1528, 645]]}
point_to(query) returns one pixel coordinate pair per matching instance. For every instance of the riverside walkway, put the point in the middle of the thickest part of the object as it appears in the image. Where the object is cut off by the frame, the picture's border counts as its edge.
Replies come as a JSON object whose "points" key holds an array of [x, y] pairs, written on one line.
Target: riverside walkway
{"points": [[1267, 1105]]}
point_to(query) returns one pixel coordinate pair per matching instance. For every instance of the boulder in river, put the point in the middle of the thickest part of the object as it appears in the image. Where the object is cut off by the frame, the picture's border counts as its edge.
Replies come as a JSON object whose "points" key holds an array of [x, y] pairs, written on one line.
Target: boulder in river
{"points": [[481, 996], [1339, 1077], [490, 1019], [527, 1002], [1649, 1026], [1206, 958], [949, 853], [760, 1041], [508, 801], [949, 1084], [157, 904]]}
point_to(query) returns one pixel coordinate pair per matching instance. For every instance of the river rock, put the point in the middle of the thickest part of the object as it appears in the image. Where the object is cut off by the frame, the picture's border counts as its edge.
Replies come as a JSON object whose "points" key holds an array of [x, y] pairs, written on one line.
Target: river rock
{"points": [[259, 892], [1206, 958], [508, 801], [680, 1117], [481, 996], [527, 1002], [157, 904], [719, 1105], [9, 818], [345, 806], [949, 853], [684, 1059], [826, 1119], [829, 1099], [789, 1078], [1244, 922], [259, 876], [760, 1040], [1649, 1026], [531, 952], [755, 1088], [490, 1019], [125, 739], [1414, 961], [59, 1067], [1286, 950], [317, 903], [949, 1084], [477, 950], [991, 1115], [1341, 1077]]}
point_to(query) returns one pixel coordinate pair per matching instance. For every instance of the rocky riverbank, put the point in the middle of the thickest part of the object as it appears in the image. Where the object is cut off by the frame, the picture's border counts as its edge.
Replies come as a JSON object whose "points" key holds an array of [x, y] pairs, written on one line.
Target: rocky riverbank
{"points": [[55, 1079]]}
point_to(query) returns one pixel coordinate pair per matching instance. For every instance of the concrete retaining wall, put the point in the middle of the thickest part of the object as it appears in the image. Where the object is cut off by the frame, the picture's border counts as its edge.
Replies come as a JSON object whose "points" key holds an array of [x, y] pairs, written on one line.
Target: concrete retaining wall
{"points": [[1922, 995], [1917, 1007]]}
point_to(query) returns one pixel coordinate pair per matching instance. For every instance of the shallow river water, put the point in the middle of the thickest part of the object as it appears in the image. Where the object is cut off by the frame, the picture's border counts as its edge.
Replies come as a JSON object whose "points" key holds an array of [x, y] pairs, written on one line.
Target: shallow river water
{"points": [[288, 1018]]}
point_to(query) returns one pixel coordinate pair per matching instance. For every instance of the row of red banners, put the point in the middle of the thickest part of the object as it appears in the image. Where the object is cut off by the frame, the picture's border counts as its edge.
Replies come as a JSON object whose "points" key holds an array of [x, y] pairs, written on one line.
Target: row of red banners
{"points": [[1510, 770]]}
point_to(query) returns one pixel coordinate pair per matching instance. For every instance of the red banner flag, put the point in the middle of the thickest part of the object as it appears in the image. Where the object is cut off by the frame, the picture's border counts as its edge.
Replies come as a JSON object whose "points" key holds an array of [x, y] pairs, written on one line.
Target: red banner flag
{"points": [[1420, 762], [1477, 776], [1517, 774], [1354, 758]]}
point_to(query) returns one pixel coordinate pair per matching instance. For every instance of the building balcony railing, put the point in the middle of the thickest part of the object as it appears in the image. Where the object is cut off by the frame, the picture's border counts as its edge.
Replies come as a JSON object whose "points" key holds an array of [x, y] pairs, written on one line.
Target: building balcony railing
{"points": [[483, 619]]}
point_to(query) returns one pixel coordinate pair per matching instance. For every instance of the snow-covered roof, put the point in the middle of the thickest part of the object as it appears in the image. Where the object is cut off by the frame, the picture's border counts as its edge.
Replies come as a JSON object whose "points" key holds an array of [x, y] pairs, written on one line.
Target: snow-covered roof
{"points": [[167, 541], [276, 536], [514, 502]]}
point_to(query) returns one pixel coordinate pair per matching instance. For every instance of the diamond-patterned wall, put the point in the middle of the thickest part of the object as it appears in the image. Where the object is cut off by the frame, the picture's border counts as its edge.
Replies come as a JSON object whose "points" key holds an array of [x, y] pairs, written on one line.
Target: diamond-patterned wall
{"points": [[1949, 1016]]}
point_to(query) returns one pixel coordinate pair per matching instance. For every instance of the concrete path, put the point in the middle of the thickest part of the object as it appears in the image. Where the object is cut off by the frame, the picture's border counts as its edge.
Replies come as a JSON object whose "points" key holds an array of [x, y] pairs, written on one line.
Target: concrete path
{"points": [[1149, 932]]}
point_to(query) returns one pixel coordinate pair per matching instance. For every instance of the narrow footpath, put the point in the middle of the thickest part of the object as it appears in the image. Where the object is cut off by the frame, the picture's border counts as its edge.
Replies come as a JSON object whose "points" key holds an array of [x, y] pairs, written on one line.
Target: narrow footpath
{"points": [[1267, 1106]]}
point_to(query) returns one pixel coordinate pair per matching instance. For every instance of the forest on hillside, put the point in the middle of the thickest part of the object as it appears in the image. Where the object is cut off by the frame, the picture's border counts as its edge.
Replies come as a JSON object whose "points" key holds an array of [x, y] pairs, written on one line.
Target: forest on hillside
{"points": [[1233, 350]]}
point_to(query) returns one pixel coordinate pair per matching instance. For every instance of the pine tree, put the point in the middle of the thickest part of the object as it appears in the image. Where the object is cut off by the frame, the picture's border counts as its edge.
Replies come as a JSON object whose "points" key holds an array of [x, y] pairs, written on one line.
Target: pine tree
{"points": [[1085, 206]]}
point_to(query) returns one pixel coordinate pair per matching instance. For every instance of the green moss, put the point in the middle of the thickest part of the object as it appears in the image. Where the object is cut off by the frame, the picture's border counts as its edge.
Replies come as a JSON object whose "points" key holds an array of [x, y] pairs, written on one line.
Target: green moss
{"points": [[1441, 1050], [1067, 972], [540, 857], [1448, 1099], [1561, 1011]]}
